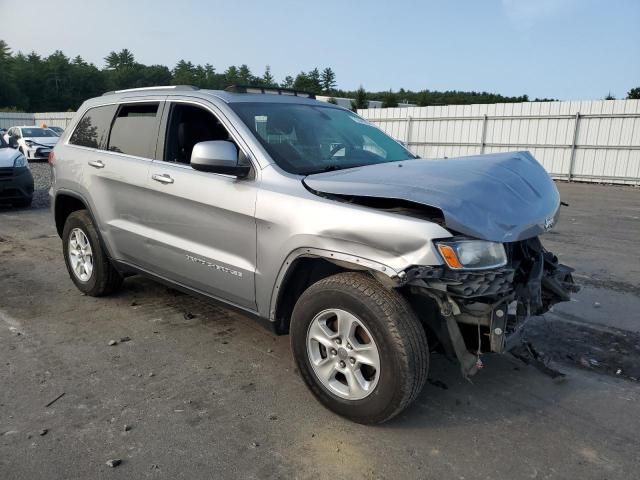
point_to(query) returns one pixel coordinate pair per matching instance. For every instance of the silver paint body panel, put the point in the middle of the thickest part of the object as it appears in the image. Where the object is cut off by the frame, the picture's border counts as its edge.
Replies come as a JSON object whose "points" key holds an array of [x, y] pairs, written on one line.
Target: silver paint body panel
{"points": [[230, 238]]}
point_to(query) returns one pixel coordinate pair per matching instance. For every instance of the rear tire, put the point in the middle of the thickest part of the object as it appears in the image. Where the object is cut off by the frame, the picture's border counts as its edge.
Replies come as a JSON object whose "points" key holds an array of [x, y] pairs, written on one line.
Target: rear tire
{"points": [[86, 261], [379, 324]]}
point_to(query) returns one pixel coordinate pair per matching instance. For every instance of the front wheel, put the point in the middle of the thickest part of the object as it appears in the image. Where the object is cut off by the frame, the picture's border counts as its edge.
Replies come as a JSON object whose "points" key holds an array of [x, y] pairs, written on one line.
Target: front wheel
{"points": [[359, 347]]}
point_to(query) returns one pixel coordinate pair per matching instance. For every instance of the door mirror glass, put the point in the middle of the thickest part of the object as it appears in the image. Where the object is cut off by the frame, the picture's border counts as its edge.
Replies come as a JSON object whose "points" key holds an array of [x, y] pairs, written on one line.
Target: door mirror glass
{"points": [[217, 156]]}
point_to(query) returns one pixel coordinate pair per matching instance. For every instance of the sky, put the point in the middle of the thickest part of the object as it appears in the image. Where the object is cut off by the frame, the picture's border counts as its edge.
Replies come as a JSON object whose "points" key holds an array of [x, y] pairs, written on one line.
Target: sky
{"points": [[565, 49]]}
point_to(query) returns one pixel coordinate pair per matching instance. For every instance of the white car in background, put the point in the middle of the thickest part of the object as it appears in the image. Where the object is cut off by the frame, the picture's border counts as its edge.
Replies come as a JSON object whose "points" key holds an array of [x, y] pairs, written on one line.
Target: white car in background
{"points": [[35, 143], [58, 130]]}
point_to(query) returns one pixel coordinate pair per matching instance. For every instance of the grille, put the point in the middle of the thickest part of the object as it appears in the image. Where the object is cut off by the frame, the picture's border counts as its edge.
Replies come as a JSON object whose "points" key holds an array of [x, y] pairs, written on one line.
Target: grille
{"points": [[6, 172], [476, 284]]}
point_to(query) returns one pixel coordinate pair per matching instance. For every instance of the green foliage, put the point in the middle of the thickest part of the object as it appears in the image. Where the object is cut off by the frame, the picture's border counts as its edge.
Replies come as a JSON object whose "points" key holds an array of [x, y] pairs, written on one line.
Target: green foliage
{"points": [[267, 78], [389, 100], [29, 82], [328, 80], [361, 100], [610, 96], [332, 101], [287, 82], [634, 94]]}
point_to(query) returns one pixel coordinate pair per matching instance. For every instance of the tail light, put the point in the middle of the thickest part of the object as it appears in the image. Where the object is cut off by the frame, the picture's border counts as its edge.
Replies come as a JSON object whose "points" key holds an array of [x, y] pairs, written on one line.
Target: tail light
{"points": [[51, 158]]}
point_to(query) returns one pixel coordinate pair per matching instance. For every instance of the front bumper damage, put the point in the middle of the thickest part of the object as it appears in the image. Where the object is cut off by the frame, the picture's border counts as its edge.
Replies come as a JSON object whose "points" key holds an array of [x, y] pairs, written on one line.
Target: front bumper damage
{"points": [[475, 312]]}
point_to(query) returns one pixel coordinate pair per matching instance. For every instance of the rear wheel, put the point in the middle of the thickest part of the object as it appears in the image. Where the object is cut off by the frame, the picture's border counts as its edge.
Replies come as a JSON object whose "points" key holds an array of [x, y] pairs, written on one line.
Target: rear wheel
{"points": [[359, 347], [88, 265]]}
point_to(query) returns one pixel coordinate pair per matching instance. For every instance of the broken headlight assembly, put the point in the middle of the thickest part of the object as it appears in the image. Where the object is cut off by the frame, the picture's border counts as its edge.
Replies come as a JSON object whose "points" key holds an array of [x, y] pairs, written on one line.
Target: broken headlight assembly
{"points": [[467, 254]]}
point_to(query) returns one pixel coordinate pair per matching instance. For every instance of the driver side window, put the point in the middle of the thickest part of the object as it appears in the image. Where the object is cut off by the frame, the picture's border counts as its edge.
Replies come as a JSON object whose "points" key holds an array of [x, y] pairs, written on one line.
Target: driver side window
{"points": [[188, 125]]}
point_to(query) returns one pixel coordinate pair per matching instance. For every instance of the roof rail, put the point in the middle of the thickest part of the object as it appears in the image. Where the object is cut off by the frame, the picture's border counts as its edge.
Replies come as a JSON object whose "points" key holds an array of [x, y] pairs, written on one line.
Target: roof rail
{"points": [[269, 90], [146, 89]]}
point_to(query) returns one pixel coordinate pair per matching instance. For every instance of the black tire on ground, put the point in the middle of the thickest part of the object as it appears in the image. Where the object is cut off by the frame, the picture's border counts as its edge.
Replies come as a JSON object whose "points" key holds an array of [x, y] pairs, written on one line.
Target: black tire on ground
{"points": [[104, 278], [401, 341], [22, 203]]}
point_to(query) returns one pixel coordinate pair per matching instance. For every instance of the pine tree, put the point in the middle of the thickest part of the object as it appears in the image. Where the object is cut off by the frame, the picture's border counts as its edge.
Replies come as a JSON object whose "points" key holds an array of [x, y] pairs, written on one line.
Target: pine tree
{"points": [[361, 100], [389, 100], [328, 80], [267, 78], [111, 60], [5, 51], [287, 82], [244, 74], [314, 81]]}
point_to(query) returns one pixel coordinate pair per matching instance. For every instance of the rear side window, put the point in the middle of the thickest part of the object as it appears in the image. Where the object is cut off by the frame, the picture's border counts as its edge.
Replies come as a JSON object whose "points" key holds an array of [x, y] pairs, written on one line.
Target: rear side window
{"points": [[135, 130], [93, 129]]}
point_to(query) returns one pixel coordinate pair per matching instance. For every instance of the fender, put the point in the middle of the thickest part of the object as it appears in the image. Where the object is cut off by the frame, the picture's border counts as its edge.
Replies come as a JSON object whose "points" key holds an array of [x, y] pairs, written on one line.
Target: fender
{"points": [[339, 258]]}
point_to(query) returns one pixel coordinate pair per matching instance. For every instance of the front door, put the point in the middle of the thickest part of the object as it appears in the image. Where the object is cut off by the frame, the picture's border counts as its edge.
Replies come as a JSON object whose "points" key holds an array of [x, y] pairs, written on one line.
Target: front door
{"points": [[204, 225]]}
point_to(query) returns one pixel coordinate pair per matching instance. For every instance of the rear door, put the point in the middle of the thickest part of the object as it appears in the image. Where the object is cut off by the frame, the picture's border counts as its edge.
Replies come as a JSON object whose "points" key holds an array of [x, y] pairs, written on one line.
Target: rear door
{"points": [[116, 172], [204, 225]]}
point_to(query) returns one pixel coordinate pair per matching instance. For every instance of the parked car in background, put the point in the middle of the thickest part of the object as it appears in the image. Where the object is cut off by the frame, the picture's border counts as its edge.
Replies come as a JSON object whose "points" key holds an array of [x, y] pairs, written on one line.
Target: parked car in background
{"points": [[303, 214], [33, 142], [16, 181], [58, 130]]}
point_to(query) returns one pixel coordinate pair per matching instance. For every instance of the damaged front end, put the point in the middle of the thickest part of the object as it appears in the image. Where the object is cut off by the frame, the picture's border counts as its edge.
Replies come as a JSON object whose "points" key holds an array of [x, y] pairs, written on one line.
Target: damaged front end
{"points": [[471, 312]]}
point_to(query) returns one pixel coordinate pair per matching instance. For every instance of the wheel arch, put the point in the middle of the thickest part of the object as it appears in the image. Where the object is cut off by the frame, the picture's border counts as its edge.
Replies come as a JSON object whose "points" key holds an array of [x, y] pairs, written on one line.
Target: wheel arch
{"points": [[304, 267], [65, 203]]}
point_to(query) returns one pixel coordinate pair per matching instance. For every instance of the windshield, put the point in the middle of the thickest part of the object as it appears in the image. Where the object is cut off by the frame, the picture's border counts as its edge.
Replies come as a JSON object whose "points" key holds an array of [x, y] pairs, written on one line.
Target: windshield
{"points": [[306, 139], [37, 132]]}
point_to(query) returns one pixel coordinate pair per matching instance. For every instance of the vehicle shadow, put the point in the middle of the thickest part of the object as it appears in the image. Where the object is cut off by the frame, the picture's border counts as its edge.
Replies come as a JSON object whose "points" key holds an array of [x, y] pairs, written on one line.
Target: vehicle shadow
{"points": [[503, 389]]}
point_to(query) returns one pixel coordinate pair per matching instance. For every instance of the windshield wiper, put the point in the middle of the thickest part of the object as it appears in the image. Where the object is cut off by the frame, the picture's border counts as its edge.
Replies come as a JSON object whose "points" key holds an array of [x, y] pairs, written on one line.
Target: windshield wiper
{"points": [[328, 168]]}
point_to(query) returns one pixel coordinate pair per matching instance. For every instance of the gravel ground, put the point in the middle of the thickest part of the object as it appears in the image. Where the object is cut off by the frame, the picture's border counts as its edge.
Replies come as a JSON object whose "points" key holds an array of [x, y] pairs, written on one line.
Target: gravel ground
{"points": [[41, 172], [207, 393]]}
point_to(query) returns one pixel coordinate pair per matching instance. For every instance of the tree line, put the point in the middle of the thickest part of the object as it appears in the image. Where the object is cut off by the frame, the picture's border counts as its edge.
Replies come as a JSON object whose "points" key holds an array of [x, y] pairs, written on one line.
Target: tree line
{"points": [[33, 83]]}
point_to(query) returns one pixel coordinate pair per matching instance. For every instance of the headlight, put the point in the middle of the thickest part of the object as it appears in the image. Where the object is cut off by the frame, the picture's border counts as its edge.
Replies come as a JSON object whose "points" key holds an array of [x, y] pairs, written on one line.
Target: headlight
{"points": [[472, 254], [29, 143], [20, 161]]}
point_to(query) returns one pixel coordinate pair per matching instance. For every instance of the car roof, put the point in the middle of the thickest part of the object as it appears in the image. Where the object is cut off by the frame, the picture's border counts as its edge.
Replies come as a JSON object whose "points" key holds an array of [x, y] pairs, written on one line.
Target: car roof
{"points": [[270, 95]]}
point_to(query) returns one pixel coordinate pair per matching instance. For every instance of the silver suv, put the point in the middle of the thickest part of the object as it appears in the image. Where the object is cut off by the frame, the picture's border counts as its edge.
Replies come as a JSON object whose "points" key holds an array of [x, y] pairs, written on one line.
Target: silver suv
{"points": [[305, 215]]}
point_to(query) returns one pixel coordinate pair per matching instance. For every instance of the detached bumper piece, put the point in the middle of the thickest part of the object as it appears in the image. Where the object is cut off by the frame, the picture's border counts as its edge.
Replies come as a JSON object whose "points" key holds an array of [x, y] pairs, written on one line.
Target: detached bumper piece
{"points": [[485, 310]]}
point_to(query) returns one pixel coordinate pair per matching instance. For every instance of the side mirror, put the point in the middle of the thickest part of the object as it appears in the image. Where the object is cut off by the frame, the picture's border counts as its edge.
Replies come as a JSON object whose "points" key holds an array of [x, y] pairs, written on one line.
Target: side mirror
{"points": [[13, 142], [218, 156]]}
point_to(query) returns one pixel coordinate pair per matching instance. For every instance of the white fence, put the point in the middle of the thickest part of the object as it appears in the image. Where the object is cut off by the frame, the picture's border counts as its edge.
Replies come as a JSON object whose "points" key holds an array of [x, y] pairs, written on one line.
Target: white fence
{"points": [[54, 119], [594, 141]]}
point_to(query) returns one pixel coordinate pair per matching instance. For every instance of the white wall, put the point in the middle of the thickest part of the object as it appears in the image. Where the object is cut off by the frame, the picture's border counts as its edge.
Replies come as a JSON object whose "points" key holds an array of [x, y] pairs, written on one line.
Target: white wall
{"points": [[596, 141], [59, 119], [346, 102]]}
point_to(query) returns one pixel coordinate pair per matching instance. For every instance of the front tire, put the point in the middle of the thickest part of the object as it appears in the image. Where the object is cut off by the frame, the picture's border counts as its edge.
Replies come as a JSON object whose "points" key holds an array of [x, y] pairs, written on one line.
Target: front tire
{"points": [[87, 264], [359, 347]]}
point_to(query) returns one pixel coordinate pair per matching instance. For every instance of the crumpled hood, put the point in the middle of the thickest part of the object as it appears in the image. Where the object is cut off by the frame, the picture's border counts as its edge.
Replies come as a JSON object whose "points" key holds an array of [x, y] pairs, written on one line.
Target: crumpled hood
{"points": [[502, 197], [46, 141], [7, 157]]}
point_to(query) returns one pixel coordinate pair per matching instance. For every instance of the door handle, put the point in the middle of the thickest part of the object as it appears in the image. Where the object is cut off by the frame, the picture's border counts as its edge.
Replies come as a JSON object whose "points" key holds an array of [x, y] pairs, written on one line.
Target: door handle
{"points": [[96, 164], [164, 178]]}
